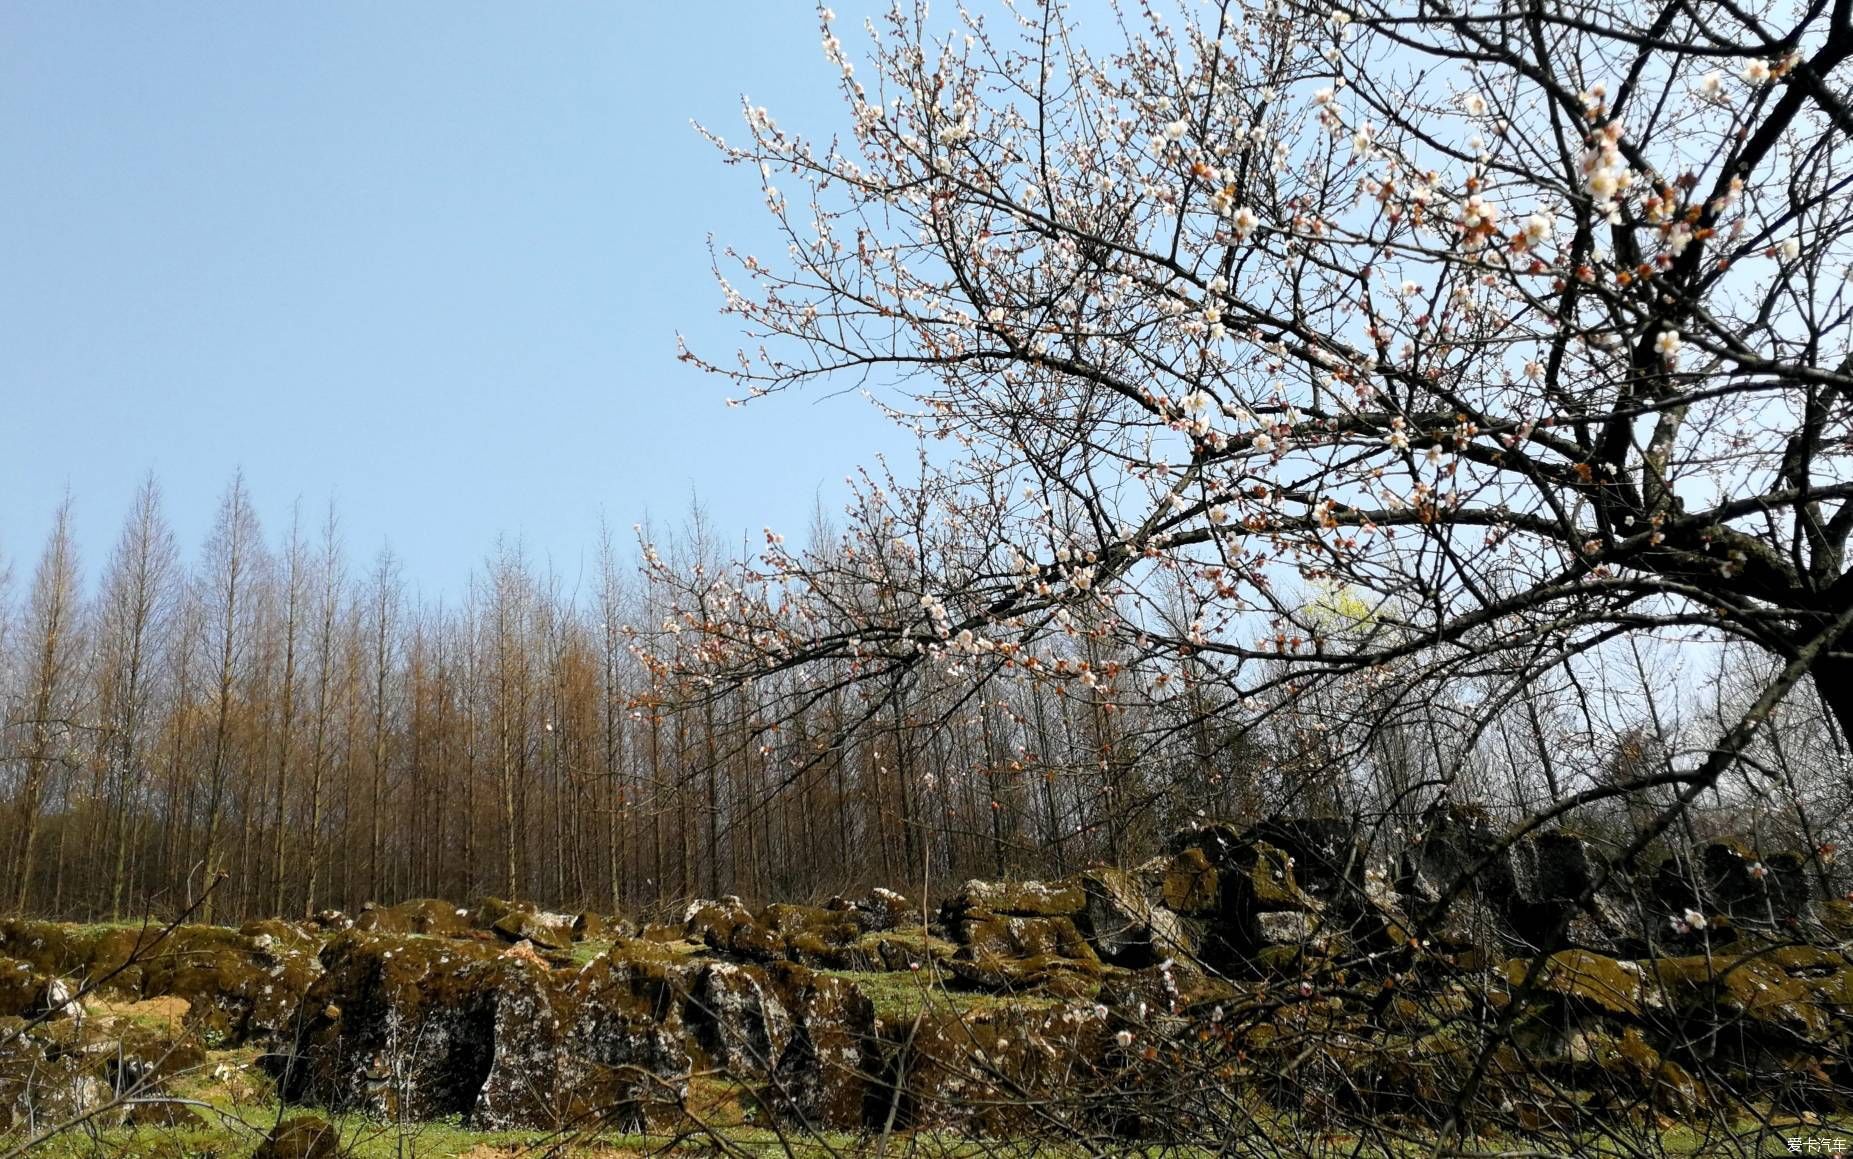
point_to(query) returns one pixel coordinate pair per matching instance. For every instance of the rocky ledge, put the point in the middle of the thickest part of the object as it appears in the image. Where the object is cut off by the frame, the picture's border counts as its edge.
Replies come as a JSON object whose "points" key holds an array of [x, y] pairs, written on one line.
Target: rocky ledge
{"points": [[1268, 969]]}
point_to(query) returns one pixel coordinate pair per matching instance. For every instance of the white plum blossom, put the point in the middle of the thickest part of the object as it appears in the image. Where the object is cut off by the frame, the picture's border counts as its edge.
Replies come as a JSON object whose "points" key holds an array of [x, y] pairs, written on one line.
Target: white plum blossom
{"points": [[1474, 104], [1667, 344], [1244, 222], [1605, 173], [1791, 248], [1757, 72]]}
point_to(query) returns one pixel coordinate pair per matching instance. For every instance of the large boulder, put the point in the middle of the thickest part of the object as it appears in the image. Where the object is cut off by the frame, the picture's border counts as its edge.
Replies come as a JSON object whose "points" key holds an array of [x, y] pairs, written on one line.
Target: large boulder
{"points": [[825, 1076], [422, 916], [1468, 883], [985, 934], [45, 1076], [737, 1019], [1564, 892], [1019, 898], [1581, 984], [240, 988], [1740, 999], [108, 957], [1329, 858], [1732, 878], [527, 1005], [26, 993], [883, 910], [1126, 921], [1192, 883], [713, 922], [625, 1061], [414, 1028], [1459, 851], [989, 1072], [396, 1027], [552, 931]]}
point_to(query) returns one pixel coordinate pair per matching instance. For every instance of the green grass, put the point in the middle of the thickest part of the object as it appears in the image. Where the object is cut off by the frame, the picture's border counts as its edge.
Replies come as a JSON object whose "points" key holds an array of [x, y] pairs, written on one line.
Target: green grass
{"points": [[232, 1130], [900, 995]]}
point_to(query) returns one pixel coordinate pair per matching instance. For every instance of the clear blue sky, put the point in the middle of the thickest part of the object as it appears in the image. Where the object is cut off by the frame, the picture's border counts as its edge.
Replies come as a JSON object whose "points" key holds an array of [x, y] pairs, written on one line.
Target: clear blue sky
{"points": [[428, 258]]}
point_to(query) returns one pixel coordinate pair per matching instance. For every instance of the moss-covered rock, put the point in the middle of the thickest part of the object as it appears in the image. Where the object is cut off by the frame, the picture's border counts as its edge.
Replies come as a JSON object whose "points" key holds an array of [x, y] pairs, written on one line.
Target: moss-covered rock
{"points": [[1127, 923], [1020, 898], [990, 1072], [1192, 884], [421, 916], [21, 988], [985, 934], [825, 1075], [528, 1008], [626, 1063], [1173, 987], [490, 910], [713, 922], [300, 1137], [46, 1075], [1588, 981], [552, 931], [1044, 974], [1267, 883], [1731, 877], [751, 941], [882, 951], [885, 909], [833, 926], [107, 956], [397, 1026], [737, 1019], [1752, 988], [239, 988]]}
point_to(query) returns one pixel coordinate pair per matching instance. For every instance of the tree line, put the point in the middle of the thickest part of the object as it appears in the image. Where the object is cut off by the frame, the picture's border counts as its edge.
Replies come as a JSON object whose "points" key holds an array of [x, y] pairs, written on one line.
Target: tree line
{"points": [[269, 709]]}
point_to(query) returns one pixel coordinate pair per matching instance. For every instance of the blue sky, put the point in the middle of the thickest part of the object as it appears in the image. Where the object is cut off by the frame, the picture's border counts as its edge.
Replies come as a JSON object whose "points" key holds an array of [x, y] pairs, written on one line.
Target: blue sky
{"points": [[427, 258]]}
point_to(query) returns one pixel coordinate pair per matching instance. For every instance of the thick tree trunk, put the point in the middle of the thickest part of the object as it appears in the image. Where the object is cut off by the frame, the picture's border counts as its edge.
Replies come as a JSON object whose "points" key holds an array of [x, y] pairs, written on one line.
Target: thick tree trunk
{"points": [[1833, 681]]}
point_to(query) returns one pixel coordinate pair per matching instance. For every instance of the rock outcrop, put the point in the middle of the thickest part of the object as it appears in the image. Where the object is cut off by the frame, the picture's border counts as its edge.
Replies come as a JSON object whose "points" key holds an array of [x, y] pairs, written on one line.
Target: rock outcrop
{"points": [[1281, 960]]}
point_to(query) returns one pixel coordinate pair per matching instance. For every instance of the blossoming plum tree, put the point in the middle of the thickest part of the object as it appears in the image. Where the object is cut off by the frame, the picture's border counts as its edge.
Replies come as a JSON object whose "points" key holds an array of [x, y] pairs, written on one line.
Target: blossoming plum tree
{"points": [[1527, 326]]}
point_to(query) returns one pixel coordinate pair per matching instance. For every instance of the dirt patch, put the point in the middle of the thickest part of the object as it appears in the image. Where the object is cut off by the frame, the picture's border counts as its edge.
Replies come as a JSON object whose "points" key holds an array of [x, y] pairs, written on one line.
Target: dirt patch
{"points": [[166, 1011]]}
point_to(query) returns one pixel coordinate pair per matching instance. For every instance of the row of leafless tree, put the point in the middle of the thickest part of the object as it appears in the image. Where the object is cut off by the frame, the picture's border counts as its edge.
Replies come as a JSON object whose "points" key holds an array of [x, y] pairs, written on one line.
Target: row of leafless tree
{"points": [[271, 711]]}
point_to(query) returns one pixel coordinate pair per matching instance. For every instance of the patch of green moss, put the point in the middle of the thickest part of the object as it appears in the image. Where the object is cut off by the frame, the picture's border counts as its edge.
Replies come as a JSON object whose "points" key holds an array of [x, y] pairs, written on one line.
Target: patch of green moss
{"points": [[1613, 986], [900, 995], [1753, 986]]}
